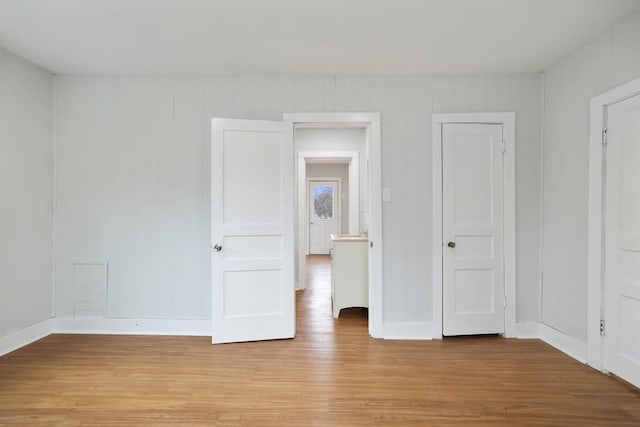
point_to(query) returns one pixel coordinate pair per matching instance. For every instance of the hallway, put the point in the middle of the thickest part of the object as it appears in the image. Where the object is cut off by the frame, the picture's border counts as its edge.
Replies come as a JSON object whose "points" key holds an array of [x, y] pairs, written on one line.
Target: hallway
{"points": [[313, 305]]}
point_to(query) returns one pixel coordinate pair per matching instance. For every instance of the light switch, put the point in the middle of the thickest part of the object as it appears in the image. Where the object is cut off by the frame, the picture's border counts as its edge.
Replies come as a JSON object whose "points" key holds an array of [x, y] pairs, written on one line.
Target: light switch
{"points": [[386, 194]]}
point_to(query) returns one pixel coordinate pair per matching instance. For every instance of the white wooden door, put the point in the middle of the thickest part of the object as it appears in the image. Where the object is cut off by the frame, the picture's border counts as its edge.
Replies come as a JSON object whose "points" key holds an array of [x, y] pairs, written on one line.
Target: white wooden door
{"points": [[622, 241], [252, 230], [323, 215], [472, 217]]}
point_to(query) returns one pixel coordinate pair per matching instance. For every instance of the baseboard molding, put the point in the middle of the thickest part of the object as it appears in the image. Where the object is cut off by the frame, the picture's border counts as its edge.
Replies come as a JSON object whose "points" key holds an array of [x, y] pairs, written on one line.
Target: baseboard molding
{"points": [[563, 342], [116, 326], [391, 330], [407, 331], [98, 325], [424, 330], [528, 330], [25, 336]]}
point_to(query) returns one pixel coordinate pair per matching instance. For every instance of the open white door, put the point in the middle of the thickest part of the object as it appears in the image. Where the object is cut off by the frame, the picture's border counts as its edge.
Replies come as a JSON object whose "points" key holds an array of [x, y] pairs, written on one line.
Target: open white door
{"points": [[252, 230], [472, 229], [622, 242]]}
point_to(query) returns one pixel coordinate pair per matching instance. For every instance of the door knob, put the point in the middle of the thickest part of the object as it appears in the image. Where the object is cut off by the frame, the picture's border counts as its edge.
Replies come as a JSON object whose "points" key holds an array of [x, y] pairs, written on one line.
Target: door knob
{"points": [[217, 248], [451, 244]]}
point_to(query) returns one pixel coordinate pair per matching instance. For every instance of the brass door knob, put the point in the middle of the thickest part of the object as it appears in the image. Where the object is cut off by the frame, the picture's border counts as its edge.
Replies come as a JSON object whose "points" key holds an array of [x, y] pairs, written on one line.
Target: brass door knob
{"points": [[451, 244]]}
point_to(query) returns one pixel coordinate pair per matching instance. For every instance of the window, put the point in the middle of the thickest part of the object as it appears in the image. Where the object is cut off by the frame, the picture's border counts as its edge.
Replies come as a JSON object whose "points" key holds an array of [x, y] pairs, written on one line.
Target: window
{"points": [[323, 203]]}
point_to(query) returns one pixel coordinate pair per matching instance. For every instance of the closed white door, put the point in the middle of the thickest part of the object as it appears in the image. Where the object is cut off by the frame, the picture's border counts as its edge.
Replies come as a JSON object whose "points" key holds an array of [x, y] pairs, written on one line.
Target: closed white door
{"points": [[323, 215], [252, 230], [472, 221], [622, 241]]}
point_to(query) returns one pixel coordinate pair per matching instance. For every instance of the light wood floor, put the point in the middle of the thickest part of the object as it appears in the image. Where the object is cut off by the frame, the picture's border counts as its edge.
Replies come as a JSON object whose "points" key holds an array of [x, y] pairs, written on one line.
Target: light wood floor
{"points": [[331, 374]]}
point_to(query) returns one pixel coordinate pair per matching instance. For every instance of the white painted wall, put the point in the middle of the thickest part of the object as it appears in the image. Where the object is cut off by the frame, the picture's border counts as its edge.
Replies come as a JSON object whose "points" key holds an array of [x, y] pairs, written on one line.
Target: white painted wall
{"points": [[132, 178], [315, 170], [26, 162], [610, 60]]}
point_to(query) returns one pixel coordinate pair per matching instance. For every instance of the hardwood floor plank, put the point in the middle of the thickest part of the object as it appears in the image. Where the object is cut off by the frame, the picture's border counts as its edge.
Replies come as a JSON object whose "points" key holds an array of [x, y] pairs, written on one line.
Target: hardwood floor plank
{"points": [[331, 374]]}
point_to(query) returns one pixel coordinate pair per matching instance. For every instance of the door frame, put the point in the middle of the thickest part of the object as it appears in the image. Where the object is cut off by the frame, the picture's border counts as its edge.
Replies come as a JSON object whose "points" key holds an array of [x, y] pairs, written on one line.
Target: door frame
{"points": [[337, 206], [371, 122], [596, 226], [301, 203], [507, 120]]}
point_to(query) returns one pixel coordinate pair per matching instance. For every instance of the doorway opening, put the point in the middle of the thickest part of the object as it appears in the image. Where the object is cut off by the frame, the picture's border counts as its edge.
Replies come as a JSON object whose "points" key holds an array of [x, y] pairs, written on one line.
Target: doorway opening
{"points": [[323, 138], [256, 253]]}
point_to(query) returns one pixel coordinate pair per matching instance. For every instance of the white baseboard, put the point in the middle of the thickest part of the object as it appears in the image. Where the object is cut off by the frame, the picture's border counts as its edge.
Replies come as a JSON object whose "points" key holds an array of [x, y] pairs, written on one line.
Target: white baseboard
{"points": [[528, 330], [563, 342], [407, 331], [424, 331], [391, 330], [25, 336], [99, 325], [115, 326]]}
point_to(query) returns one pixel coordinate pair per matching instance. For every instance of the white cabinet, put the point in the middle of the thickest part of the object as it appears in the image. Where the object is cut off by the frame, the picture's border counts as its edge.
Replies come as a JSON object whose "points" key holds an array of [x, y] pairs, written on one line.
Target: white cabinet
{"points": [[349, 272]]}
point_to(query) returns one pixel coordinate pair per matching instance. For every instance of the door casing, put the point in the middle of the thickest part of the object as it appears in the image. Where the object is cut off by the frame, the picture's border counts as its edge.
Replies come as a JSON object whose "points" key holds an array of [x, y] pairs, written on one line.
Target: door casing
{"points": [[371, 122], [596, 241], [507, 120]]}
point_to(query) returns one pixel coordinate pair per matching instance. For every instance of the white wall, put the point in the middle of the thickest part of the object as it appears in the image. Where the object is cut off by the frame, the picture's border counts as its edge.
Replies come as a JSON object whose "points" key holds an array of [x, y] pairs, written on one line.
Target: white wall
{"points": [[316, 170], [132, 177], [610, 60], [26, 162]]}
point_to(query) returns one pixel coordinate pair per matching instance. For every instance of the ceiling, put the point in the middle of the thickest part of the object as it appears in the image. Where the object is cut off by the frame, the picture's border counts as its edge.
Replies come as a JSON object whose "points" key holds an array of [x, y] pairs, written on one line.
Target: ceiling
{"points": [[197, 37]]}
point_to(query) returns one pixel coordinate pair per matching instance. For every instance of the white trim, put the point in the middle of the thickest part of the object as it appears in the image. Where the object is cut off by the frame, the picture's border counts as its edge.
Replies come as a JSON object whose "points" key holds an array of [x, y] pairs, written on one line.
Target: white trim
{"points": [[507, 120], [437, 242], [375, 229], [509, 129], [543, 124], [117, 326], [407, 331], [332, 118], [595, 284], [101, 325], [563, 342], [25, 336], [528, 330], [54, 194], [370, 121]]}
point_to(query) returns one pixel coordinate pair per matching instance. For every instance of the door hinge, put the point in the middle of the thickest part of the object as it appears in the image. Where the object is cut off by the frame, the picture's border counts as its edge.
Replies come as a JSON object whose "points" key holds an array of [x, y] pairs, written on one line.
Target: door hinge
{"points": [[605, 140], [505, 302], [504, 146], [601, 327]]}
